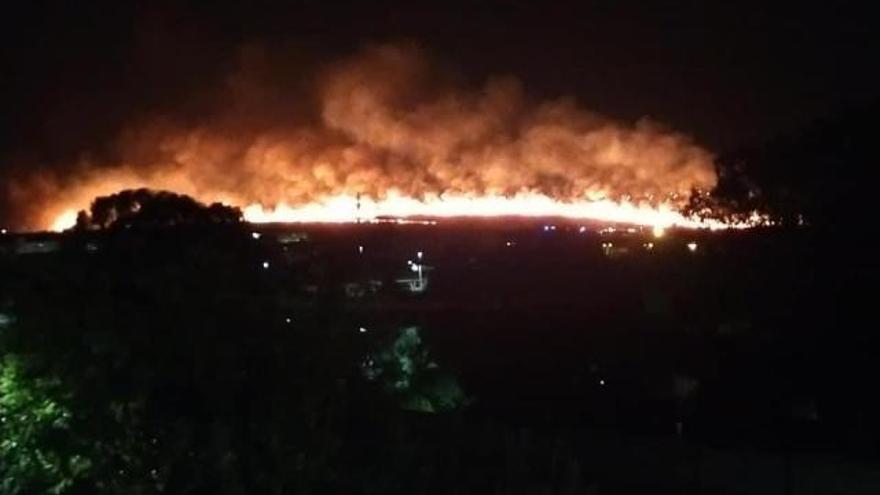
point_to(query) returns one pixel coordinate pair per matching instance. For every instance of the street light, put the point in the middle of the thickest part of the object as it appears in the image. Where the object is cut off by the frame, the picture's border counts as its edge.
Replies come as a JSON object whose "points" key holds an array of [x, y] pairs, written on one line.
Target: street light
{"points": [[417, 267]]}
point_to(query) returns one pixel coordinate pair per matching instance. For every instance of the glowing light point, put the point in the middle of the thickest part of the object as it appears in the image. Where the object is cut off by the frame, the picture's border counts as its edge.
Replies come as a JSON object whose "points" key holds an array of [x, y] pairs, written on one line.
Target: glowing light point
{"points": [[602, 382], [692, 246], [414, 267], [64, 221], [256, 235], [265, 265], [419, 255], [649, 246], [362, 330], [360, 250], [2, 231], [582, 229], [287, 320], [658, 231]]}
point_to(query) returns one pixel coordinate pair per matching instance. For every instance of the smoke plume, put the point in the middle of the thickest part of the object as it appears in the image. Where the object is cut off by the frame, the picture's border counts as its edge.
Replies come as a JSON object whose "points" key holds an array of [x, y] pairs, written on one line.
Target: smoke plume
{"points": [[384, 121]]}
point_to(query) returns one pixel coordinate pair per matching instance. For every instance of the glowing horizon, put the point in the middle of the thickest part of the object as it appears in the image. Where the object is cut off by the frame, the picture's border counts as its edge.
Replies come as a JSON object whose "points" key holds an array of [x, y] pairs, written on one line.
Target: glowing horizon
{"points": [[350, 209]]}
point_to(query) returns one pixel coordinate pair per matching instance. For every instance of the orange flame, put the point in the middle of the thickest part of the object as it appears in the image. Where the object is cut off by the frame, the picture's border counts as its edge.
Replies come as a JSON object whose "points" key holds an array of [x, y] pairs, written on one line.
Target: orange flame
{"points": [[383, 128], [347, 208]]}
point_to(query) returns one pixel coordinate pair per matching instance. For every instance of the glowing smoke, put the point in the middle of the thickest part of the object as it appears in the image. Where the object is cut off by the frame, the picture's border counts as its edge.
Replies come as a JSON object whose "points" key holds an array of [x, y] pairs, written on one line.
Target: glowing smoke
{"points": [[386, 125]]}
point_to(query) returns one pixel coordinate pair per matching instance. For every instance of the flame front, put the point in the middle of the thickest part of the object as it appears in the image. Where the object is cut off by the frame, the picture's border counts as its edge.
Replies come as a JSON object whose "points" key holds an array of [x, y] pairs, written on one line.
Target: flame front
{"points": [[341, 209], [383, 135], [348, 208]]}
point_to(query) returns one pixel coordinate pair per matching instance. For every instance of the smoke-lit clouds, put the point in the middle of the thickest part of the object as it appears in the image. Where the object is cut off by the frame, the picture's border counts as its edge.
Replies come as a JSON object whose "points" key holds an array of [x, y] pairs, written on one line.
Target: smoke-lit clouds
{"points": [[383, 120]]}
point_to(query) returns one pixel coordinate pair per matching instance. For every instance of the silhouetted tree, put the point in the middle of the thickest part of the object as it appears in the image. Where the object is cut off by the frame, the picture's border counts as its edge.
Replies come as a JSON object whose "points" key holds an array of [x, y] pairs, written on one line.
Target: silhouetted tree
{"points": [[146, 208], [821, 174]]}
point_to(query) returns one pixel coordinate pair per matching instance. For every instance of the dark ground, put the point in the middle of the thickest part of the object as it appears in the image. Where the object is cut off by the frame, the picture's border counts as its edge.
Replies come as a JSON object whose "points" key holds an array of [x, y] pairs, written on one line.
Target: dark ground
{"points": [[740, 367]]}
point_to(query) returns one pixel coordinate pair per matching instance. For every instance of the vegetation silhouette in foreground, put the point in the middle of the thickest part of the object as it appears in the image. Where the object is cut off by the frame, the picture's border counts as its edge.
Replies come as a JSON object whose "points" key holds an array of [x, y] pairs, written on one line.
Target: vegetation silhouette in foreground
{"points": [[139, 208]]}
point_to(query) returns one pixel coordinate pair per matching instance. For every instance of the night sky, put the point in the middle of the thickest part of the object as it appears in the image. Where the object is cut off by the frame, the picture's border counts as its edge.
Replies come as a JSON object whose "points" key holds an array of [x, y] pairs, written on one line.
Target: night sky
{"points": [[729, 74]]}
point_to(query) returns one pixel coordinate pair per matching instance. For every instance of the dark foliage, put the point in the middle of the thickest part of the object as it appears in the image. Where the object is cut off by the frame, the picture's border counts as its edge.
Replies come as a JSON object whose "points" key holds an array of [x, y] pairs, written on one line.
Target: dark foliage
{"points": [[144, 208], [170, 360], [823, 175]]}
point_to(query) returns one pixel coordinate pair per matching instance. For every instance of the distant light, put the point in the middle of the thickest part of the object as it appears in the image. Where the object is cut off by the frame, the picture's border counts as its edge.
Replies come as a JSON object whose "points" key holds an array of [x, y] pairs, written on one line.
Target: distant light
{"points": [[362, 330], [409, 262], [256, 235], [582, 229], [3, 231], [546, 228], [265, 265], [552, 227], [508, 243], [692, 246], [360, 250], [414, 267], [649, 246], [419, 254], [287, 320], [602, 382], [658, 231]]}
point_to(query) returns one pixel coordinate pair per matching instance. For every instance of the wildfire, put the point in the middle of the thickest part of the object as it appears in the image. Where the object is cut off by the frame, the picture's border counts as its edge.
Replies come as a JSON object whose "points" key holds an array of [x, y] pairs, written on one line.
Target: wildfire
{"points": [[64, 221], [346, 208], [383, 136], [349, 208]]}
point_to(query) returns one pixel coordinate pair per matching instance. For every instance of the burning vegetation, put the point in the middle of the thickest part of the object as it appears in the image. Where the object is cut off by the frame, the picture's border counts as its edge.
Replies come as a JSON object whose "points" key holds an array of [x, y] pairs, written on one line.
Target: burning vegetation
{"points": [[386, 133]]}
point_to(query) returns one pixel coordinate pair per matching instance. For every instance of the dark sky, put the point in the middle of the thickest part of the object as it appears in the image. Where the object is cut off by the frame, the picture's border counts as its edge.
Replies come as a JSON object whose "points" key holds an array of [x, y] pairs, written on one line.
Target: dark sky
{"points": [[728, 73]]}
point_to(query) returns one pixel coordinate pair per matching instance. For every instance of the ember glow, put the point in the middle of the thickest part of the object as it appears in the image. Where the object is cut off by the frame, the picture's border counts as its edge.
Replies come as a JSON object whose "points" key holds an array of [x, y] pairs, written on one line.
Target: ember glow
{"points": [[64, 221], [350, 209], [386, 135]]}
